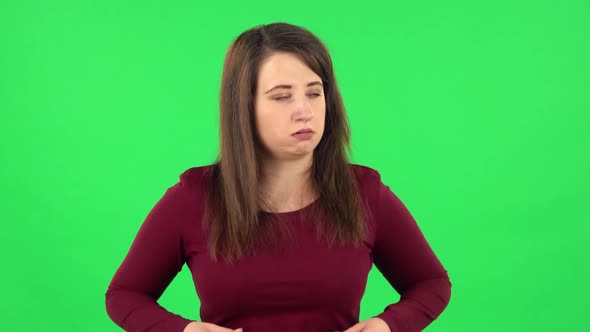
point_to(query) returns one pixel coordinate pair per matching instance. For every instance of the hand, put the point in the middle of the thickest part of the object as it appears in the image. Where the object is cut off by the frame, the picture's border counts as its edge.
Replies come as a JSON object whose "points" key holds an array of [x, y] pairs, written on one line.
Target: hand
{"points": [[370, 325], [207, 327]]}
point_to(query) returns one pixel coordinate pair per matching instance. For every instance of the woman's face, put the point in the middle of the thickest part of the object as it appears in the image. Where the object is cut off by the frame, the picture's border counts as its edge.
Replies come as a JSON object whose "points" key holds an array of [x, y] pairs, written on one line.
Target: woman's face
{"points": [[289, 97]]}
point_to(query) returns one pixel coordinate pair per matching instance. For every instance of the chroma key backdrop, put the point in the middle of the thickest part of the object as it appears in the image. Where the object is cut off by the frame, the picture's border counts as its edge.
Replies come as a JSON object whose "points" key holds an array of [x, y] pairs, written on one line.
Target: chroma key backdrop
{"points": [[474, 112]]}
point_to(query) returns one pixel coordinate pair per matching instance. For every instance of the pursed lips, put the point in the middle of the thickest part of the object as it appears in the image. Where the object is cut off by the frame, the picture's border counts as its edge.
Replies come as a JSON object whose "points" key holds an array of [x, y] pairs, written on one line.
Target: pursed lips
{"points": [[306, 130]]}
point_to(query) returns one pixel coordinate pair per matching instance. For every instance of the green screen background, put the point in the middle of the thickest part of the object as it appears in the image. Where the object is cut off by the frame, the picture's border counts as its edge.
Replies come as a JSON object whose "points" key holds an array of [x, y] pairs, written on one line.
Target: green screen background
{"points": [[474, 112]]}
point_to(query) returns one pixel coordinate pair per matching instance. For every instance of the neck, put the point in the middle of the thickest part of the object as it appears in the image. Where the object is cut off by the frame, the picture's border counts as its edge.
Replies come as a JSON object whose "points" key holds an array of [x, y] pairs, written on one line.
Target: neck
{"points": [[287, 183]]}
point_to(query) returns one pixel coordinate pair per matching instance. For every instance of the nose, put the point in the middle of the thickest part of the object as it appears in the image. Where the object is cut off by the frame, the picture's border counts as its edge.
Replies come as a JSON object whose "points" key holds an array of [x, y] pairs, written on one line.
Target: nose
{"points": [[303, 110]]}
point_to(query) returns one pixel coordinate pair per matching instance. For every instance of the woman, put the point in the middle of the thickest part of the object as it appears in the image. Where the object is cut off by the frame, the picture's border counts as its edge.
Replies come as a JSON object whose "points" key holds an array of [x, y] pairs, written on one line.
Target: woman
{"points": [[281, 231]]}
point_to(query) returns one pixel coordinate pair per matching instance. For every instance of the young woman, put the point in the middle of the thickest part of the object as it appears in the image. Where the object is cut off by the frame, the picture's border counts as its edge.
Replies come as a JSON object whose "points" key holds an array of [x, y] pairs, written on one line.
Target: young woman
{"points": [[281, 231]]}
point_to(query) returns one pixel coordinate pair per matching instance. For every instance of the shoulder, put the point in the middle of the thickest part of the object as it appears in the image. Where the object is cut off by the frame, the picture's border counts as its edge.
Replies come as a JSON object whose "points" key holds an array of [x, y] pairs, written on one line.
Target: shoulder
{"points": [[365, 175], [368, 181], [370, 187], [192, 181], [195, 176]]}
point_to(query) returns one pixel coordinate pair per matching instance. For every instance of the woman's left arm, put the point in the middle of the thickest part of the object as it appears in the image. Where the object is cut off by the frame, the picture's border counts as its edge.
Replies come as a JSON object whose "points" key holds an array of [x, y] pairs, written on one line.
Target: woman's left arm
{"points": [[405, 258]]}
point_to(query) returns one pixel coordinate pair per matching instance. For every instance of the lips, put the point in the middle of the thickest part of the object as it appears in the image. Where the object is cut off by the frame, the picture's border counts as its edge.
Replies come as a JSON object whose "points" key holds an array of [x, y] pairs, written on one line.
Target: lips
{"points": [[305, 130]]}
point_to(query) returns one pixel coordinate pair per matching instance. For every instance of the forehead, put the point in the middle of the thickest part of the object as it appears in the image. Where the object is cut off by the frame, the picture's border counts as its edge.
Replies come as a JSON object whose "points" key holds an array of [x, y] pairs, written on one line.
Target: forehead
{"points": [[284, 68]]}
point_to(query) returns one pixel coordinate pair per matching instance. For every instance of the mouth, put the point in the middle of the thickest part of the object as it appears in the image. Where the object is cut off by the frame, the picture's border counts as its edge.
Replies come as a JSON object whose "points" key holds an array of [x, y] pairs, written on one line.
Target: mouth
{"points": [[303, 131]]}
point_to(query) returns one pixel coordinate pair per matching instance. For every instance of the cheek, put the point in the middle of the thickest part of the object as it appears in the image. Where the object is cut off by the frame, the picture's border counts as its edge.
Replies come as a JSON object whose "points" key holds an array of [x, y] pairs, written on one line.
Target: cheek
{"points": [[270, 121], [321, 114]]}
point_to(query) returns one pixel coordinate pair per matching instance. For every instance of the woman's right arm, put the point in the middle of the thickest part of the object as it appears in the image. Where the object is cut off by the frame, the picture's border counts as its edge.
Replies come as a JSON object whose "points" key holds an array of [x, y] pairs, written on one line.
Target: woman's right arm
{"points": [[153, 260]]}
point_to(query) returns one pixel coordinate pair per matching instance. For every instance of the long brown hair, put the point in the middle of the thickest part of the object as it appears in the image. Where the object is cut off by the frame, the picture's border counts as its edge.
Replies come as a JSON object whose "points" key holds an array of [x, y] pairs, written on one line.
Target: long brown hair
{"points": [[232, 216]]}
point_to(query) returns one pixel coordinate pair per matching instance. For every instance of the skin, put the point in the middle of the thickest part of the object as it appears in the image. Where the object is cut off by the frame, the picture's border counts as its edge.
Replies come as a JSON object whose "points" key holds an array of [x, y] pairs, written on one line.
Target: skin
{"points": [[288, 160], [370, 325], [280, 112], [207, 327], [286, 163]]}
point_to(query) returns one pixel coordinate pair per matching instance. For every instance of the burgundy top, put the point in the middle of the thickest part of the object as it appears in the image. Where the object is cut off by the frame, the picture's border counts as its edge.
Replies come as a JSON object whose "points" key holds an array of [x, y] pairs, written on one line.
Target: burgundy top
{"points": [[310, 288]]}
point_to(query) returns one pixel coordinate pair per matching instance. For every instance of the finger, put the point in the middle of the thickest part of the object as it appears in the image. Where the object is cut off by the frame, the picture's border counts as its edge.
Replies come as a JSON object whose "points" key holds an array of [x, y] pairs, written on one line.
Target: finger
{"points": [[358, 327], [217, 328]]}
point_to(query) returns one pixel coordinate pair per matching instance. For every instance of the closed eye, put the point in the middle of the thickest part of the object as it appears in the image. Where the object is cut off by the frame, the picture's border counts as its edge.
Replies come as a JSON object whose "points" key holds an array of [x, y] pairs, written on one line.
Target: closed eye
{"points": [[314, 95]]}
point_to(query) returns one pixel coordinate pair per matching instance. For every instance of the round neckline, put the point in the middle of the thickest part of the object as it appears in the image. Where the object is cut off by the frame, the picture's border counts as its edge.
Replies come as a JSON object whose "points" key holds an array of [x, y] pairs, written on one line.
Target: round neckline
{"points": [[294, 212]]}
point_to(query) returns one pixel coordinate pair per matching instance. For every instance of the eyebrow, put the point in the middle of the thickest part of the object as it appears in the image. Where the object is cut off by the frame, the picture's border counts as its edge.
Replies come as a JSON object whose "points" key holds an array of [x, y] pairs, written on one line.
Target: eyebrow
{"points": [[289, 86]]}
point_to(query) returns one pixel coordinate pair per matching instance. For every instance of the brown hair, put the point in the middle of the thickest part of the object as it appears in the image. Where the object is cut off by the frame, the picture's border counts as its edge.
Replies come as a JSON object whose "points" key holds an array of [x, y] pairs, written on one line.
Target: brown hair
{"points": [[232, 216]]}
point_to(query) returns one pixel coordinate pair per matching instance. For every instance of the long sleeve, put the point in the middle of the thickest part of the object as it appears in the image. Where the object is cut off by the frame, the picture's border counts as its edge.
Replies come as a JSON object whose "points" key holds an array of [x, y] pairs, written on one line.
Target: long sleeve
{"points": [[152, 262], [404, 257]]}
